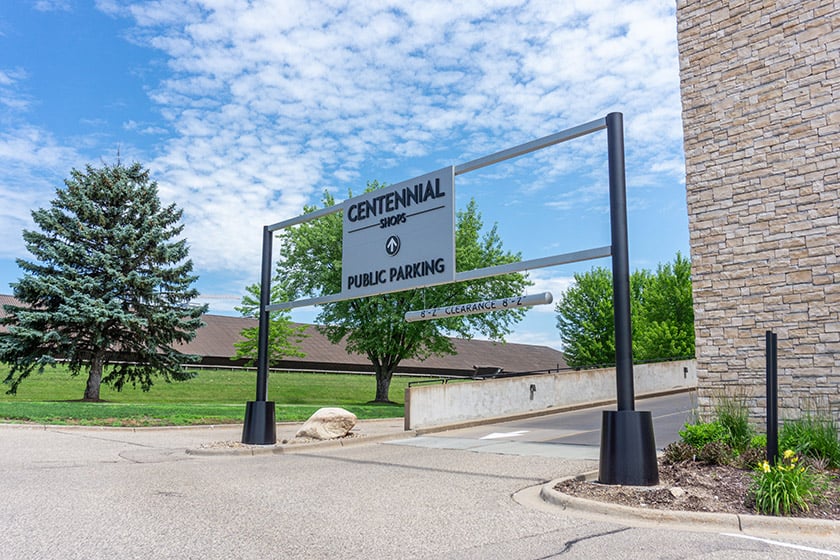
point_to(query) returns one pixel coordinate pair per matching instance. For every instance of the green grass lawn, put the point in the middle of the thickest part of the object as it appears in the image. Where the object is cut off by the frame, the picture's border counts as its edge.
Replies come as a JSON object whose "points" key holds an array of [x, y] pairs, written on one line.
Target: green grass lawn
{"points": [[212, 397]]}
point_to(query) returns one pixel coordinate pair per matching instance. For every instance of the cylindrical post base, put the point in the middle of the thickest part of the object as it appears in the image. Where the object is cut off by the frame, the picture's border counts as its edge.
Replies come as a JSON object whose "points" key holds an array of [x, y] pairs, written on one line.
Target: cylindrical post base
{"points": [[628, 450], [260, 427]]}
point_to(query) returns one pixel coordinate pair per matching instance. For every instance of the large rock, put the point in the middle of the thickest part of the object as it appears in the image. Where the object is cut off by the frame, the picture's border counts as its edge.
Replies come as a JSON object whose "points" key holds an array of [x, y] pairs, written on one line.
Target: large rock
{"points": [[328, 423]]}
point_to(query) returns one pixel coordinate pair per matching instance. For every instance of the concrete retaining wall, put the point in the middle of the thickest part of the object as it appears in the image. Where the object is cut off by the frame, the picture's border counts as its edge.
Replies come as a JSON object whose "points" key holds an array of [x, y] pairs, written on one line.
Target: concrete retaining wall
{"points": [[450, 403]]}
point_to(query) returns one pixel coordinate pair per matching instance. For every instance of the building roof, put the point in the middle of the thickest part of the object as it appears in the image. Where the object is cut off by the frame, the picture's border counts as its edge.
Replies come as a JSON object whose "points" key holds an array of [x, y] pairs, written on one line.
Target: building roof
{"points": [[214, 342], [7, 300], [217, 337]]}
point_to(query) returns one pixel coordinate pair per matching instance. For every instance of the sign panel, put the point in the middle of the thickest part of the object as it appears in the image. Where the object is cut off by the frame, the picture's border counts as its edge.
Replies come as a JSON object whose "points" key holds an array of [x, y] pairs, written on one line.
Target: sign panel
{"points": [[400, 237]]}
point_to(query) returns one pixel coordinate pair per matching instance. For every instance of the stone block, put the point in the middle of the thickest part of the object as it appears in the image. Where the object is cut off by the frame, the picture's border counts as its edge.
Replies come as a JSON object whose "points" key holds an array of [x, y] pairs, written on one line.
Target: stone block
{"points": [[328, 423]]}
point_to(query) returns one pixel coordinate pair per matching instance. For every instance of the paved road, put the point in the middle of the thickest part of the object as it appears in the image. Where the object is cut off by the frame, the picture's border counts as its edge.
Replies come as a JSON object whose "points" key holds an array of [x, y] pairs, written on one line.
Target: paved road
{"points": [[105, 494], [571, 435]]}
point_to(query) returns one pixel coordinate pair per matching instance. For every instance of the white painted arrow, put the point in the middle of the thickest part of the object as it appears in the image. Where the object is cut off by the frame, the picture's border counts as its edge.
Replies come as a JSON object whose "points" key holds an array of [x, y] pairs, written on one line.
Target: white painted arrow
{"points": [[499, 435]]}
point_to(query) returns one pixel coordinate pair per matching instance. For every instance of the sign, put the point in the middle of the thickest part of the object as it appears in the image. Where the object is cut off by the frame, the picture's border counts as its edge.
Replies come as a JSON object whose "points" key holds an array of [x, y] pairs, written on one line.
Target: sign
{"points": [[400, 237], [479, 307]]}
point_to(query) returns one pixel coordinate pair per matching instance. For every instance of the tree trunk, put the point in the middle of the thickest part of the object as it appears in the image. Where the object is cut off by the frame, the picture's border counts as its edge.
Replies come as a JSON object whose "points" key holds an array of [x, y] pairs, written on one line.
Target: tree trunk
{"points": [[94, 377], [383, 384]]}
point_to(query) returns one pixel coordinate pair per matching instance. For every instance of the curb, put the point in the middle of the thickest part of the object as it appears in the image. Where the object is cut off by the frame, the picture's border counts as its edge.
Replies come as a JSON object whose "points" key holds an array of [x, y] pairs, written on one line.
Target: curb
{"points": [[705, 521], [137, 429], [292, 448]]}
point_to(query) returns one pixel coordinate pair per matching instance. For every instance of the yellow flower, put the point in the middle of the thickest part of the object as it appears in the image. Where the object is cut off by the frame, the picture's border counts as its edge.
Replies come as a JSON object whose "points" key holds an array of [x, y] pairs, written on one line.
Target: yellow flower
{"points": [[765, 466], [789, 453]]}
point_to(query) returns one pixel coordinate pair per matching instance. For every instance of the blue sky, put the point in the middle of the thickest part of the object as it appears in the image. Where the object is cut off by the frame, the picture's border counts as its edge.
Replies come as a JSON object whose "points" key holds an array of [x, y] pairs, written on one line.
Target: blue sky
{"points": [[246, 111]]}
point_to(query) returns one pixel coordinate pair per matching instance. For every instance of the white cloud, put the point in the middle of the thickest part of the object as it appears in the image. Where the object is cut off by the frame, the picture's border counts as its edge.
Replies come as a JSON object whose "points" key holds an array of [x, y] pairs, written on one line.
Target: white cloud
{"points": [[273, 101], [540, 325], [547, 280], [536, 338], [591, 196], [33, 164], [220, 304], [6, 78], [11, 96], [143, 128], [53, 6]]}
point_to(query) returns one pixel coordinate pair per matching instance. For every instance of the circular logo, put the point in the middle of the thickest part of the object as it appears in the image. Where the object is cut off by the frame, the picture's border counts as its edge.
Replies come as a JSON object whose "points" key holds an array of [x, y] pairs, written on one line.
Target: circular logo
{"points": [[392, 245]]}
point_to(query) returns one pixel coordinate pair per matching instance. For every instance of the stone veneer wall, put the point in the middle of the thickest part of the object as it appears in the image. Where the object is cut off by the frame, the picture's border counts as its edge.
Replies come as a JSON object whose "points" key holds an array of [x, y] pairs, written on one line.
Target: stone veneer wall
{"points": [[760, 85]]}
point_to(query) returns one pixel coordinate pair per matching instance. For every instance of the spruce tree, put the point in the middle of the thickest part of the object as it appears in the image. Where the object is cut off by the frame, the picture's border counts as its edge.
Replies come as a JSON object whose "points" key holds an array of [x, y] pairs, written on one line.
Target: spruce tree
{"points": [[109, 287]]}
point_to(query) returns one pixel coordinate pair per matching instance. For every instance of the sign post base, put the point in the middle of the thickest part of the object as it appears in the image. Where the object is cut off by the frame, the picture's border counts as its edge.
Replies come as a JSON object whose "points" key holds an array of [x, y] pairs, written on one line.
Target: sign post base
{"points": [[628, 451], [260, 427]]}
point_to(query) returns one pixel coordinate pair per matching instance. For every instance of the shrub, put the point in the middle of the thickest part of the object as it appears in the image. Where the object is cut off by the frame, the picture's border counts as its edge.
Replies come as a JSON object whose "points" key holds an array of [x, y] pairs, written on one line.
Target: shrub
{"points": [[758, 440], [730, 431], [698, 435], [813, 436], [716, 453], [751, 457], [785, 487], [678, 452]]}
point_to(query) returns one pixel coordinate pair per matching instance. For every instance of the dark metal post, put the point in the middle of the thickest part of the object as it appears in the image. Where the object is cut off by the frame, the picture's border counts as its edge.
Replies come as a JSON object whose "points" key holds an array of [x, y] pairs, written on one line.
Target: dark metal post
{"points": [[628, 451], [771, 346], [260, 427], [265, 301], [620, 263]]}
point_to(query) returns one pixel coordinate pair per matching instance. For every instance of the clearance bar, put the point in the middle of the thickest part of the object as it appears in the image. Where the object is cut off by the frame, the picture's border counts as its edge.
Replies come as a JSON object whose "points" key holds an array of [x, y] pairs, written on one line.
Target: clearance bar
{"points": [[479, 307]]}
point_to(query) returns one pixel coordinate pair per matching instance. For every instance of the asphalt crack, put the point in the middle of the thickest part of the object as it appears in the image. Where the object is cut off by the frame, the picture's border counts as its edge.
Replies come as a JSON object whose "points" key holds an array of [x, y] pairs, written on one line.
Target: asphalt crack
{"points": [[567, 546]]}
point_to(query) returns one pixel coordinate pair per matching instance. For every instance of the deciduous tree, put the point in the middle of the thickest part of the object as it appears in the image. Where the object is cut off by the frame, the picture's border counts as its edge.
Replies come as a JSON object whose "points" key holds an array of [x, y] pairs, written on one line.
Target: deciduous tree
{"points": [[666, 313], [283, 335], [661, 309], [585, 319], [310, 265]]}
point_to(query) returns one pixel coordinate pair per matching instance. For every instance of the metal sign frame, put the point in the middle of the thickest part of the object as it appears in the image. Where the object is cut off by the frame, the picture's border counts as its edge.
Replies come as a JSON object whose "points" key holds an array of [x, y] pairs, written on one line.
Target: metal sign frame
{"points": [[520, 266], [628, 453]]}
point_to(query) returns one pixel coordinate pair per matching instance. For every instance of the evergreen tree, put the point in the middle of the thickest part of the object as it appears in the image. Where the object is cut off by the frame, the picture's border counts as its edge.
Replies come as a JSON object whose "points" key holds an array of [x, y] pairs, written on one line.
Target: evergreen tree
{"points": [[109, 288]]}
